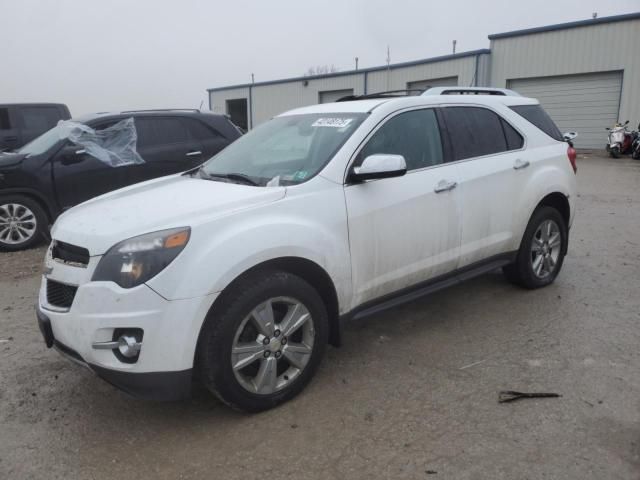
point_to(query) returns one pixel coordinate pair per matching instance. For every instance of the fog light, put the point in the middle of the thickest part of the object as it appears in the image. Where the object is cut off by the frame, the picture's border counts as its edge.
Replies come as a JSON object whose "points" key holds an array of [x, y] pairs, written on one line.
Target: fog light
{"points": [[129, 346]]}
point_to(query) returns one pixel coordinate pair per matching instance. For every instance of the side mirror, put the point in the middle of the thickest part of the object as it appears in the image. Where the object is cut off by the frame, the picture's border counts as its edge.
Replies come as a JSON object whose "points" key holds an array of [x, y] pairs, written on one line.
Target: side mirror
{"points": [[627, 122], [568, 136], [379, 166], [72, 154]]}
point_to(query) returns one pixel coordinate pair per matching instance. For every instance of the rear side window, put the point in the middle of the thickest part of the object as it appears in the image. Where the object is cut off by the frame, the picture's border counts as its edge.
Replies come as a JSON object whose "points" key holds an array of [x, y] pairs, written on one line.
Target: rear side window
{"points": [[200, 131], [474, 132], [536, 115], [39, 118], [514, 139], [414, 135]]}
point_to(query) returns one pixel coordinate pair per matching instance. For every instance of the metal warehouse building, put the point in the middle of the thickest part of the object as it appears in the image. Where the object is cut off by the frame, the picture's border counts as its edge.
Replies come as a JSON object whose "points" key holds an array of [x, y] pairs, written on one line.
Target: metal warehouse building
{"points": [[586, 74]]}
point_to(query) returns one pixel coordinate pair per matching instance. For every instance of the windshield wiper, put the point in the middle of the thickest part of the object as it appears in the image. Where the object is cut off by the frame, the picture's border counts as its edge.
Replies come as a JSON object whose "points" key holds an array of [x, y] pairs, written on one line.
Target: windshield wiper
{"points": [[237, 177]]}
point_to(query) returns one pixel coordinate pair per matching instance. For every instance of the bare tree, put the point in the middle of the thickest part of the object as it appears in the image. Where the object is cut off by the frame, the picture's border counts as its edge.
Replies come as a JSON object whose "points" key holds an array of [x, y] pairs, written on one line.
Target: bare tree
{"points": [[321, 70]]}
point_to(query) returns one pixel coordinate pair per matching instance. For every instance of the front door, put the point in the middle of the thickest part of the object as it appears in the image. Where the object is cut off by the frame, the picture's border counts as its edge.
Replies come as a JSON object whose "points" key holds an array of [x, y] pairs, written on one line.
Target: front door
{"points": [[404, 230]]}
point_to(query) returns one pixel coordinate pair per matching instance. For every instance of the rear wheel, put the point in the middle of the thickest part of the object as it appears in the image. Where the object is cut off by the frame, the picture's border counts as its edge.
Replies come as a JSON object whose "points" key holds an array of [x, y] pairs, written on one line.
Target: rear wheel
{"points": [[263, 344], [23, 222], [541, 252]]}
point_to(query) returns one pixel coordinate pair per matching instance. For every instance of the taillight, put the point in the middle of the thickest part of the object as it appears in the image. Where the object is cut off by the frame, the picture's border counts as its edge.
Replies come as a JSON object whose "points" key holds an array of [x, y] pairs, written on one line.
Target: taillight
{"points": [[572, 154]]}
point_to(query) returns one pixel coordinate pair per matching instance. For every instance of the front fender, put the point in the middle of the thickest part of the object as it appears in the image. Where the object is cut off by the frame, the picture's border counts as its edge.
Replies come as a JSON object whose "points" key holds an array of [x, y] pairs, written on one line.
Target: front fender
{"points": [[303, 227]]}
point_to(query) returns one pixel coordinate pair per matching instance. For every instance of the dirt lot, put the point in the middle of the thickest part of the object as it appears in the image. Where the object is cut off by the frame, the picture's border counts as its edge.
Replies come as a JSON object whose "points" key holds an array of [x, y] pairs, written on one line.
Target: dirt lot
{"points": [[412, 394]]}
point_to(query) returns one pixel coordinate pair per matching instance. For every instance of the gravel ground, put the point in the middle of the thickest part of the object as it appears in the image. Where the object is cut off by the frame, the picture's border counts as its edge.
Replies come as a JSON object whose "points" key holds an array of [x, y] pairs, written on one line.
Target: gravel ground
{"points": [[411, 394]]}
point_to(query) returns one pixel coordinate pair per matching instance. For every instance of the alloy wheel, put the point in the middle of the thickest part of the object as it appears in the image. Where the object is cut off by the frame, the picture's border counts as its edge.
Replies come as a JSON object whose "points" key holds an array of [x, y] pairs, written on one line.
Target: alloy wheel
{"points": [[272, 345], [545, 248], [17, 223]]}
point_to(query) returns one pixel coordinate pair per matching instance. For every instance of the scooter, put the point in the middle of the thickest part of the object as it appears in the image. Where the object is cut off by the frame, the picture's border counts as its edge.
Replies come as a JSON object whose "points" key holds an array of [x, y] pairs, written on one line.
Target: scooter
{"points": [[635, 144], [619, 139]]}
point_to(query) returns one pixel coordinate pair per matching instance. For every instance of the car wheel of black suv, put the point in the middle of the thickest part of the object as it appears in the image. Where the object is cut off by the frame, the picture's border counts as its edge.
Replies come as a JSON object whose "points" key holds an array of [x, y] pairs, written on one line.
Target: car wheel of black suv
{"points": [[542, 250], [262, 343], [23, 222]]}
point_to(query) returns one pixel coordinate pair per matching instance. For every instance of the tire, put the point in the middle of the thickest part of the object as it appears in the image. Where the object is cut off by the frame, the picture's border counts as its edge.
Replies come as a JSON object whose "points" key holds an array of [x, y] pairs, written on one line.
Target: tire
{"points": [[531, 268], [231, 326], [615, 152], [23, 223]]}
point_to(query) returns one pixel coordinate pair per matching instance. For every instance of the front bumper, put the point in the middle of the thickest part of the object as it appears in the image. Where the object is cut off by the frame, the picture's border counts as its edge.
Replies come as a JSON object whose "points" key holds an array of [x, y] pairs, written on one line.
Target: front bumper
{"points": [[171, 328], [163, 386]]}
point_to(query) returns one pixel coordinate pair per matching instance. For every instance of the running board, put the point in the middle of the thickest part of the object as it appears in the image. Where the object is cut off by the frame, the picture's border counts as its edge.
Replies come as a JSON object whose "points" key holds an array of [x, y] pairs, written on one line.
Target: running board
{"points": [[430, 286]]}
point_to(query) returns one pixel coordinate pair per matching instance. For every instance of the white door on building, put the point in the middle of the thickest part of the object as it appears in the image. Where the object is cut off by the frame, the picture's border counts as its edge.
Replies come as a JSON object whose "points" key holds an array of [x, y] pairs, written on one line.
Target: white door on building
{"points": [[586, 103]]}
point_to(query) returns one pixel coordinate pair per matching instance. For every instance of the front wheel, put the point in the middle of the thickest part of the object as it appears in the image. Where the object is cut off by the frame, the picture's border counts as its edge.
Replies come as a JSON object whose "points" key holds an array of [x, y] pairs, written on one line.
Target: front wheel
{"points": [[263, 343], [542, 250], [23, 222], [615, 151]]}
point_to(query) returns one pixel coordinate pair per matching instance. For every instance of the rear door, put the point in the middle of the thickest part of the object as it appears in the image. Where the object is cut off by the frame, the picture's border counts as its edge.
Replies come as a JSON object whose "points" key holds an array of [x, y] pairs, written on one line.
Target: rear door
{"points": [[166, 145], [493, 167], [404, 230], [210, 140]]}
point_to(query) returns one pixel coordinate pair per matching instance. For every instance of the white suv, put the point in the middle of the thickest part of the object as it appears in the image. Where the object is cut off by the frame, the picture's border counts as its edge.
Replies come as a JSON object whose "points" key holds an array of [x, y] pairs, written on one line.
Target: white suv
{"points": [[240, 272]]}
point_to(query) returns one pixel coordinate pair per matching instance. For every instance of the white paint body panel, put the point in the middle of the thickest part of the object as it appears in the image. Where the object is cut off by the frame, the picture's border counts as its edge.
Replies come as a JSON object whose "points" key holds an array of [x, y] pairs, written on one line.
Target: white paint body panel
{"points": [[372, 238]]}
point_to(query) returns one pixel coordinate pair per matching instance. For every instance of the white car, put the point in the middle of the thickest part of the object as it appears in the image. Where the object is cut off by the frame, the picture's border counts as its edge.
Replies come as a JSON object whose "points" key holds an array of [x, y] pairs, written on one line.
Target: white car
{"points": [[240, 272]]}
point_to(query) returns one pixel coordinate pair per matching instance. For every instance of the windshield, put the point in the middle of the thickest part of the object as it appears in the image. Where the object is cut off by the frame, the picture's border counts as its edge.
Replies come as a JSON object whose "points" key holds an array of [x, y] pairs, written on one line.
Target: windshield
{"points": [[284, 151], [43, 143]]}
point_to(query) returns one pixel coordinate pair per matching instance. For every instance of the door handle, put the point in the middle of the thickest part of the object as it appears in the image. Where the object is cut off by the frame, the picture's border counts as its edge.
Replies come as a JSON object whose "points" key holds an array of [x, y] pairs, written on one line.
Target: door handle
{"points": [[11, 138], [520, 164], [193, 154], [444, 186]]}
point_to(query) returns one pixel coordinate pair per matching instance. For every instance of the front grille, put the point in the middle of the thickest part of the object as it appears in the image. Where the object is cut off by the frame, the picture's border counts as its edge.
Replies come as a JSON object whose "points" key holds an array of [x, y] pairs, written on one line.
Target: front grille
{"points": [[68, 253], [60, 294]]}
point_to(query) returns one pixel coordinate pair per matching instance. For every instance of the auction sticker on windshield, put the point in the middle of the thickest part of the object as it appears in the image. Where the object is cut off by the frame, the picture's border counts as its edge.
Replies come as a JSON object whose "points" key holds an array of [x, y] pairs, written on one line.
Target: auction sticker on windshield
{"points": [[335, 122]]}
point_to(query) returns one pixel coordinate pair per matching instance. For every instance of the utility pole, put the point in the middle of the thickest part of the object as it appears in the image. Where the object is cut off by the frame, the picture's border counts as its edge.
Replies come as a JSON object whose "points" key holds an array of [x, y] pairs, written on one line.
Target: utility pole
{"points": [[454, 46], [388, 68], [252, 79], [356, 63], [594, 15]]}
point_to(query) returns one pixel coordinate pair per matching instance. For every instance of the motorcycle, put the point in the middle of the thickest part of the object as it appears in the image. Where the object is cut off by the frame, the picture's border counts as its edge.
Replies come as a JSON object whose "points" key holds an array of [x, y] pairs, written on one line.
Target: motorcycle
{"points": [[619, 139], [635, 144]]}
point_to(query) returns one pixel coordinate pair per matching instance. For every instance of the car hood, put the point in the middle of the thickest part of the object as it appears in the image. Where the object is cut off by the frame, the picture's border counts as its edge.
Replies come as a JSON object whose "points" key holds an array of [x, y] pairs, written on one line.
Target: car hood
{"points": [[168, 202], [9, 160]]}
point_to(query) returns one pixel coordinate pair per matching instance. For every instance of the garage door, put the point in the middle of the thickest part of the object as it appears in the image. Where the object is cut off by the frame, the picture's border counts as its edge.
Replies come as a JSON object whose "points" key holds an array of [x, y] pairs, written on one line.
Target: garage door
{"points": [[434, 82], [586, 103]]}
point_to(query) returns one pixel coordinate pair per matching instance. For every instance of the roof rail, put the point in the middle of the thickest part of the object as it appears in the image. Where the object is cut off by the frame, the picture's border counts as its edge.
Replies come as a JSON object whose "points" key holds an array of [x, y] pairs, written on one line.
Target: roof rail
{"points": [[471, 91], [388, 94], [163, 110]]}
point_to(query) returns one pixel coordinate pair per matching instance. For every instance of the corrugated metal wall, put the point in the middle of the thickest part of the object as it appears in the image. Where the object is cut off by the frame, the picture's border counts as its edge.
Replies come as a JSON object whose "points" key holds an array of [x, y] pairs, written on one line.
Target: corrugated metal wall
{"points": [[270, 100], [397, 79], [595, 48], [274, 98]]}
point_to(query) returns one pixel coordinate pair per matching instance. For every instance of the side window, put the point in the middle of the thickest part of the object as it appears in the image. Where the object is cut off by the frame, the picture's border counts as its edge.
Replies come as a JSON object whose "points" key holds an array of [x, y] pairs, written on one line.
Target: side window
{"points": [[5, 124], [157, 131], [39, 118], [200, 131], [514, 139], [474, 132], [536, 115], [414, 135]]}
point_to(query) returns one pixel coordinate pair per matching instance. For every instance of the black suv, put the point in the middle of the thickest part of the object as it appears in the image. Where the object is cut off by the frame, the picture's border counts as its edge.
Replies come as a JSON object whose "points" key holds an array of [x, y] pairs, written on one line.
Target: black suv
{"points": [[22, 122], [51, 174]]}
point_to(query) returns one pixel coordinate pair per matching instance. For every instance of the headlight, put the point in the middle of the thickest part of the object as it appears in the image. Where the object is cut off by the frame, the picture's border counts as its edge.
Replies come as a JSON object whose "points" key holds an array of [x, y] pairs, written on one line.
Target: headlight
{"points": [[138, 259]]}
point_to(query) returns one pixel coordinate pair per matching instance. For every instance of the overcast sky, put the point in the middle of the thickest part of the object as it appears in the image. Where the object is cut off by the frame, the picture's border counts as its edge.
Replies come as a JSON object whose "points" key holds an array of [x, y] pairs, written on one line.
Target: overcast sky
{"points": [[97, 55]]}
